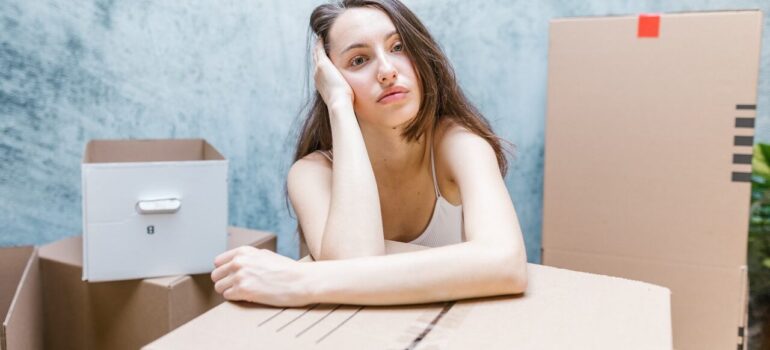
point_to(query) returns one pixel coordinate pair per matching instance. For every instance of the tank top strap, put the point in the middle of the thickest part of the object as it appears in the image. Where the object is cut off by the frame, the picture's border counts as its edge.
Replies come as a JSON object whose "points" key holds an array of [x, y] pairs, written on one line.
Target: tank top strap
{"points": [[328, 154], [433, 171]]}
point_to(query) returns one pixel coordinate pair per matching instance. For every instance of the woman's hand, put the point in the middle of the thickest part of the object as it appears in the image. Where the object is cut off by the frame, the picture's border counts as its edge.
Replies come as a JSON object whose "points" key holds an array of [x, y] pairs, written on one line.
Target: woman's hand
{"points": [[329, 82], [260, 276]]}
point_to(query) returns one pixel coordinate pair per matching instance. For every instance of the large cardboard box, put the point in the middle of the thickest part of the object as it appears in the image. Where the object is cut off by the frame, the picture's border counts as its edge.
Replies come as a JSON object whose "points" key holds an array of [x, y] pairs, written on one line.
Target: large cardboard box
{"points": [[561, 309], [648, 159], [122, 314], [152, 208], [20, 300]]}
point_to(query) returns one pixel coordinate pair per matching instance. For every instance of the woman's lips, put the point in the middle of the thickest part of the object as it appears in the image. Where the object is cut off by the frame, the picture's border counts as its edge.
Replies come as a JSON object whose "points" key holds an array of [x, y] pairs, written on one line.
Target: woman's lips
{"points": [[393, 97]]}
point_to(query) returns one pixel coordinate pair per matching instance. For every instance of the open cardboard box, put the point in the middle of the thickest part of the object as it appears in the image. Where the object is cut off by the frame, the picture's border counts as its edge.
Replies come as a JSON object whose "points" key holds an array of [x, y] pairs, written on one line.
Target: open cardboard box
{"points": [[152, 208], [122, 314], [561, 309], [20, 301], [648, 159]]}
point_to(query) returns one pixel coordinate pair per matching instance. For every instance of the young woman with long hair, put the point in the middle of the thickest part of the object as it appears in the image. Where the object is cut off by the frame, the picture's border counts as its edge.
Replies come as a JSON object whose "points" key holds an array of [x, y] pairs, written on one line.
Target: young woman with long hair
{"points": [[391, 152]]}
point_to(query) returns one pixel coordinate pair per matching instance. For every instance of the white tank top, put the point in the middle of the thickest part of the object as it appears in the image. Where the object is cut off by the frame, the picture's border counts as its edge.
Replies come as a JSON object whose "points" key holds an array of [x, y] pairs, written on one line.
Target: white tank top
{"points": [[446, 224]]}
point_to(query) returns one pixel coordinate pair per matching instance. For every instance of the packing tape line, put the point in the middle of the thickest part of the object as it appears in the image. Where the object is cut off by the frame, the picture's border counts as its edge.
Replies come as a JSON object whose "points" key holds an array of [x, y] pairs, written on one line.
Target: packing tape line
{"points": [[339, 325], [298, 317], [317, 321], [430, 326], [743, 122], [271, 317]]}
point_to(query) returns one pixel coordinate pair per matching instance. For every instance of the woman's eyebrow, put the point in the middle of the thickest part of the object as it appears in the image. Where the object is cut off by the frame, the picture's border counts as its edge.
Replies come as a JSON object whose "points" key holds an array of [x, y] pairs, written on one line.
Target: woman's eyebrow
{"points": [[359, 45]]}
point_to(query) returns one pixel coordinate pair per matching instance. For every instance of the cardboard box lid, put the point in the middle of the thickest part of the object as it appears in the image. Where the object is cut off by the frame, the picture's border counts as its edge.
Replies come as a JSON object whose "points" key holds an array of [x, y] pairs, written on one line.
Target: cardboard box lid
{"points": [[562, 309], [642, 136], [123, 151], [20, 300]]}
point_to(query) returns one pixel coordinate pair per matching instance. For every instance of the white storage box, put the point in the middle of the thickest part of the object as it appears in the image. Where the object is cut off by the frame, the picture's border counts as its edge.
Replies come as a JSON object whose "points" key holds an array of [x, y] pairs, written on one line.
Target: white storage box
{"points": [[152, 208]]}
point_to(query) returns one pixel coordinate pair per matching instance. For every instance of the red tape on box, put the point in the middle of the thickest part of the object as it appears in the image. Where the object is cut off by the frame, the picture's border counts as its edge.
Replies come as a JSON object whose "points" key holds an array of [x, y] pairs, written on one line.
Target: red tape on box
{"points": [[649, 26]]}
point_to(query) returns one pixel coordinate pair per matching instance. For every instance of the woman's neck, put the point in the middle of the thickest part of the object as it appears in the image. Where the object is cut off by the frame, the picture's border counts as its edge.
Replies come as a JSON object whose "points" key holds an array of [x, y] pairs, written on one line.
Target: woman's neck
{"points": [[393, 157]]}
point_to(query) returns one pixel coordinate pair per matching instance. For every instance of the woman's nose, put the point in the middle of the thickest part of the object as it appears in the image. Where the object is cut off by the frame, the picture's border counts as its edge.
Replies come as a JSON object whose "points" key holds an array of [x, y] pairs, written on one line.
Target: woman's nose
{"points": [[387, 73]]}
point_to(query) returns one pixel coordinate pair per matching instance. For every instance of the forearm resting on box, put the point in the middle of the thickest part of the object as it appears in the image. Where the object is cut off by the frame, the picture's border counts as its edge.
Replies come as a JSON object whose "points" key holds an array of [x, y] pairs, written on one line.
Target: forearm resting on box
{"points": [[354, 224], [414, 275]]}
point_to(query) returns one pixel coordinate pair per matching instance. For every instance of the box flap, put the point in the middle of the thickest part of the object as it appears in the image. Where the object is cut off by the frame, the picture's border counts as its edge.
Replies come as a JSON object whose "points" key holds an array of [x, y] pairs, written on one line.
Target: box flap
{"points": [[237, 236], [13, 262], [66, 251], [21, 314]]}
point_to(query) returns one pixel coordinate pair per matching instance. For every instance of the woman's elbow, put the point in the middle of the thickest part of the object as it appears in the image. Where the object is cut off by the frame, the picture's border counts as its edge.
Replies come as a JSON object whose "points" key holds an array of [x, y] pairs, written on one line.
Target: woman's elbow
{"points": [[344, 254], [514, 277]]}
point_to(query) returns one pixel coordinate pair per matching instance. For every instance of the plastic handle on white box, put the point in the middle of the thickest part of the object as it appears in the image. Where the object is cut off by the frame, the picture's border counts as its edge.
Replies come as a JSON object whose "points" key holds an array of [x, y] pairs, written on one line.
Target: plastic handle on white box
{"points": [[159, 206]]}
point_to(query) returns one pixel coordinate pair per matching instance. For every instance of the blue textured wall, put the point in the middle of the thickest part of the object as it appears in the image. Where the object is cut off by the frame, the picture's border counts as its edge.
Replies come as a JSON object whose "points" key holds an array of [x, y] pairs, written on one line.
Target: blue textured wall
{"points": [[234, 72]]}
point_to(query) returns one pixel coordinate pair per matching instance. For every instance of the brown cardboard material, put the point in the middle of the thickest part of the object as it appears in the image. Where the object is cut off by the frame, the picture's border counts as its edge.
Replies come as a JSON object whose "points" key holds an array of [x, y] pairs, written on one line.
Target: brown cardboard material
{"points": [[561, 309], [20, 300], [640, 179], [119, 151], [122, 314]]}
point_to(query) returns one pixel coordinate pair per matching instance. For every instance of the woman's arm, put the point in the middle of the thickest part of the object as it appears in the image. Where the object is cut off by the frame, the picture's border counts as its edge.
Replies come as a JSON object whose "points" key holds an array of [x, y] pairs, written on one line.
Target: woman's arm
{"points": [[491, 262], [465, 270], [353, 222], [354, 226]]}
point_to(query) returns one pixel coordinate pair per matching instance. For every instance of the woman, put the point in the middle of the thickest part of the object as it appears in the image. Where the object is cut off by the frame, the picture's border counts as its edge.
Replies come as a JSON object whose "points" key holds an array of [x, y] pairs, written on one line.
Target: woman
{"points": [[391, 152]]}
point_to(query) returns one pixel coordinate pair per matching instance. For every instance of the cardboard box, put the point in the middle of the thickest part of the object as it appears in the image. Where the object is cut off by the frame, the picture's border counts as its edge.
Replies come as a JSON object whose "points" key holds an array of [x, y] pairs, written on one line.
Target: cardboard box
{"points": [[122, 314], [152, 208], [648, 159], [20, 301], [561, 309]]}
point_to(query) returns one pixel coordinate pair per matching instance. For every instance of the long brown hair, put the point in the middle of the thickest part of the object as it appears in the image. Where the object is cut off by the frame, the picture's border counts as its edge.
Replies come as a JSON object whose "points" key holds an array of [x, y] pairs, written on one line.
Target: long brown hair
{"points": [[441, 95]]}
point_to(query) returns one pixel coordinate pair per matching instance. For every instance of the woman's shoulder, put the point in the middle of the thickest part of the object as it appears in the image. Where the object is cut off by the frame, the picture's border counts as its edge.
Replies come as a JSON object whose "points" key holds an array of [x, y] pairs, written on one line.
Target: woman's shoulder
{"points": [[314, 162], [450, 136]]}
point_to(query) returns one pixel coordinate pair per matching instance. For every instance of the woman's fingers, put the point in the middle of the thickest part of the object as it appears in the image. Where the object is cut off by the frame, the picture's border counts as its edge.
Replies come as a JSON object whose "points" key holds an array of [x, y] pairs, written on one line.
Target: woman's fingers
{"points": [[224, 284], [220, 272], [320, 52], [229, 255], [225, 257]]}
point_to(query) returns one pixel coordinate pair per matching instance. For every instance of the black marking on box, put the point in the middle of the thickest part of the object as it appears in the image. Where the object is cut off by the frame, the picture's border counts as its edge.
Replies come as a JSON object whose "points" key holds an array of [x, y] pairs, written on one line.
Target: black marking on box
{"points": [[339, 325], [741, 177], [742, 122], [741, 158], [296, 318], [271, 317], [317, 321], [743, 140], [430, 326]]}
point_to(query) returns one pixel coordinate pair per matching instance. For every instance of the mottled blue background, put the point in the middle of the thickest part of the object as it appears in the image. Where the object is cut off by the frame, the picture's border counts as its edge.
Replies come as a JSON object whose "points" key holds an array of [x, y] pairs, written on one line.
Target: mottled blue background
{"points": [[234, 72]]}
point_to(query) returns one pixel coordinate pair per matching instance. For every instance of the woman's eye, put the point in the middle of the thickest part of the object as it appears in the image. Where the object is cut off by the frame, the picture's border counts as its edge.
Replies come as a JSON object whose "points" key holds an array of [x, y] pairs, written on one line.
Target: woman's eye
{"points": [[358, 60], [398, 47]]}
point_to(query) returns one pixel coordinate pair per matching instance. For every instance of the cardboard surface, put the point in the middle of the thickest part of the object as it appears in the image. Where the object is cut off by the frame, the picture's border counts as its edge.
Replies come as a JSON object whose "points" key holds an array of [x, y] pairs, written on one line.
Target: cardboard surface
{"points": [[122, 314], [641, 180], [561, 310], [20, 300], [128, 231]]}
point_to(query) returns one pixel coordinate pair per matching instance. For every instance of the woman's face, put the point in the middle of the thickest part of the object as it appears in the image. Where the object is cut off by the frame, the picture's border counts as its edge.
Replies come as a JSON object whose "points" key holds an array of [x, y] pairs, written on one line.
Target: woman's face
{"points": [[367, 50]]}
